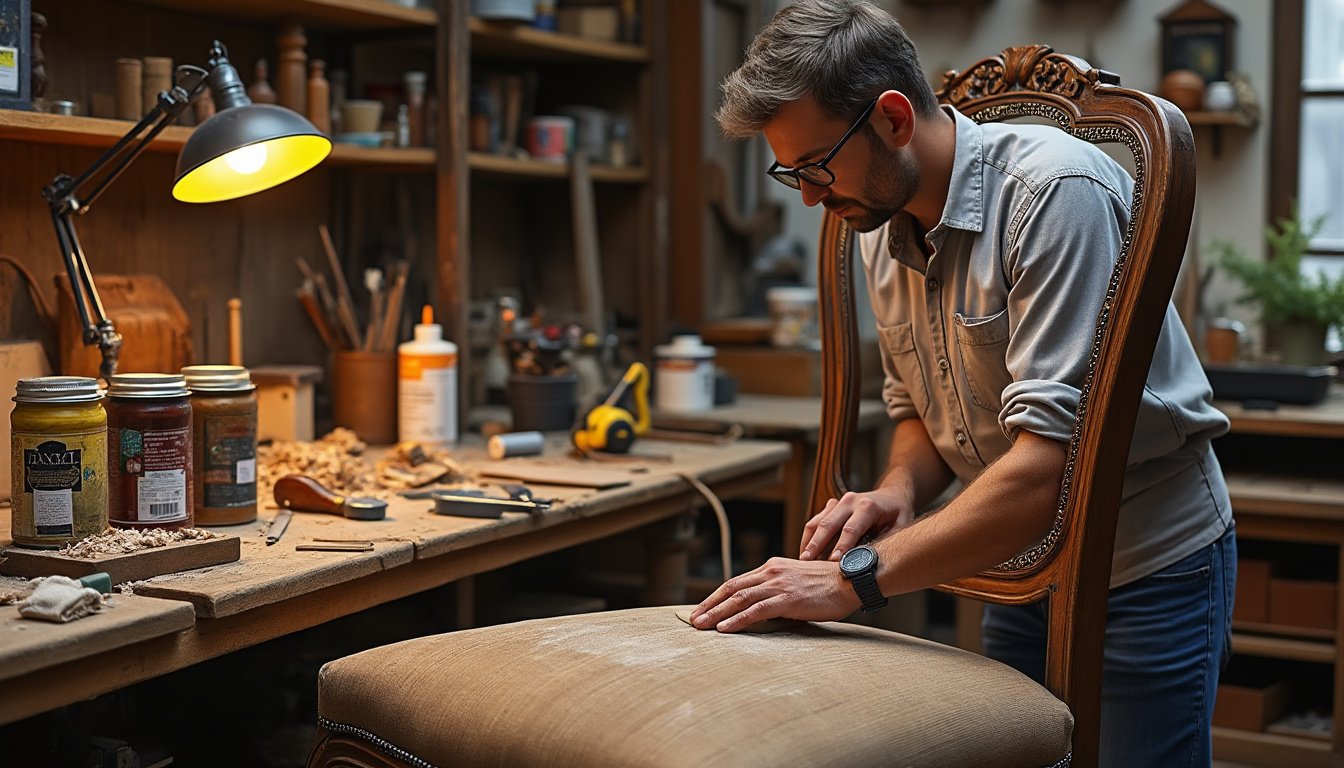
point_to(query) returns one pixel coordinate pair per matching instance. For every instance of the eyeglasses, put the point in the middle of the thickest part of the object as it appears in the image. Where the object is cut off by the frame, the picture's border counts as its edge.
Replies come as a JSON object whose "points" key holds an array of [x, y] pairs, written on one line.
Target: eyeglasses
{"points": [[817, 173]]}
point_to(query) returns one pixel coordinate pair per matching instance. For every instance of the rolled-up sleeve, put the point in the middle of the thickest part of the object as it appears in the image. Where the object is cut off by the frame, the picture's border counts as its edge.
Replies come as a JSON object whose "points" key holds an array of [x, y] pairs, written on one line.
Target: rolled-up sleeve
{"points": [[1058, 261]]}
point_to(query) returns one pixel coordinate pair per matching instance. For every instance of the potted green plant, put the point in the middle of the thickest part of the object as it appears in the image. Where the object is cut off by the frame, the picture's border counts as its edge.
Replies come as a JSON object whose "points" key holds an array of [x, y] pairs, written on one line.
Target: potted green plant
{"points": [[1299, 307]]}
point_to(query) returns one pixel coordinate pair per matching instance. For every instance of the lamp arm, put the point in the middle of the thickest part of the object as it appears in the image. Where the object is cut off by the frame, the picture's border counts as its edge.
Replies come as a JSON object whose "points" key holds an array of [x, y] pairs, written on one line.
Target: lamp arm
{"points": [[64, 202]]}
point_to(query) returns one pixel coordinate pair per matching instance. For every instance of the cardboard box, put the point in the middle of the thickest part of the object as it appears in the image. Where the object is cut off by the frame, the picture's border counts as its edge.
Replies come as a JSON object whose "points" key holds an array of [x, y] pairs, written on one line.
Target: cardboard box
{"points": [[593, 22], [1250, 707], [1252, 602], [1308, 604]]}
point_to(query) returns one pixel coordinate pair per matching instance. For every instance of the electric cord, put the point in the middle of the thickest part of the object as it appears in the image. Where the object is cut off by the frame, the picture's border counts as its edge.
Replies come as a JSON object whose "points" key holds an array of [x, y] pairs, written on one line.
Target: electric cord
{"points": [[725, 530]]}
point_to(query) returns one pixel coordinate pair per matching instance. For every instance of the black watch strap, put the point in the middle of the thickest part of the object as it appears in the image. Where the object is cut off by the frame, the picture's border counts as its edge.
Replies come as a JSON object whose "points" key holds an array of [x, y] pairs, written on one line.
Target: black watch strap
{"points": [[870, 595]]}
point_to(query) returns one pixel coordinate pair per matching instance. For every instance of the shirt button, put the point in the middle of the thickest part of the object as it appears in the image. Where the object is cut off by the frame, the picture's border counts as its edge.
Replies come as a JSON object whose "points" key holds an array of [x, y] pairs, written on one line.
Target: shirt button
{"points": [[961, 437], [932, 282], [943, 364]]}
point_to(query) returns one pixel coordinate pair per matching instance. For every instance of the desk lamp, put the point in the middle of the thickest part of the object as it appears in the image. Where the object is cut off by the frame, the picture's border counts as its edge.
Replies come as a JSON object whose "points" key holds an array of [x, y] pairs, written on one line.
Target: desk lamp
{"points": [[243, 148]]}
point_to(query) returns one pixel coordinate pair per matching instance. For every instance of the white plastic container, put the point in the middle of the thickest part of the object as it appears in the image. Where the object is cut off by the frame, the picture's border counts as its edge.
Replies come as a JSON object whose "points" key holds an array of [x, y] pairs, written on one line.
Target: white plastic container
{"points": [[685, 375], [427, 385]]}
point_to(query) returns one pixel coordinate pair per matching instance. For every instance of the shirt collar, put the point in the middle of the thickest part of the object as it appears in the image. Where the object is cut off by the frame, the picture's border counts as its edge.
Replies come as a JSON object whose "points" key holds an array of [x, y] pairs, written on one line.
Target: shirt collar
{"points": [[964, 208]]}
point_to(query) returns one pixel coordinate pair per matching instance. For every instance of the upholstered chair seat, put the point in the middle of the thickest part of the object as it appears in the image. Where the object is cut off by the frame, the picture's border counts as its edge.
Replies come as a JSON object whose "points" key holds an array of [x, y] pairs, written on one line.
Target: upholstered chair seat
{"points": [[641, 688]]}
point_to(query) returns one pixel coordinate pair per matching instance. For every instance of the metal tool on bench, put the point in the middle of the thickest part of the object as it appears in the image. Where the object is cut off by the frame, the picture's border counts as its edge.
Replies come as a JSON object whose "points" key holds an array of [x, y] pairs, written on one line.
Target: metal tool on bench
{"points": [[304, 494], [277, 527], [612, 426], [467, 504]]}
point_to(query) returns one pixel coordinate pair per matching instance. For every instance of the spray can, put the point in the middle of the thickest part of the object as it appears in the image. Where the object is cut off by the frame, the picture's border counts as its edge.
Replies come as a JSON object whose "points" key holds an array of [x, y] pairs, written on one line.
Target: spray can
{"points": [[427, 385]]}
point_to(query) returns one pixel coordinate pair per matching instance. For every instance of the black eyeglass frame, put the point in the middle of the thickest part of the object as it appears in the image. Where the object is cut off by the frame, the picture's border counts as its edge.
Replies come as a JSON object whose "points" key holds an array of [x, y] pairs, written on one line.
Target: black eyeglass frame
{"points": [[794, 178]]}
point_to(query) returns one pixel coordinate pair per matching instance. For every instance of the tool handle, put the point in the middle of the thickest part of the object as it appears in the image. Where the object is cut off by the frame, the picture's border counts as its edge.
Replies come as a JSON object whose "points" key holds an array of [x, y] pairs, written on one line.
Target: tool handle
{"points": [[305, 494]]}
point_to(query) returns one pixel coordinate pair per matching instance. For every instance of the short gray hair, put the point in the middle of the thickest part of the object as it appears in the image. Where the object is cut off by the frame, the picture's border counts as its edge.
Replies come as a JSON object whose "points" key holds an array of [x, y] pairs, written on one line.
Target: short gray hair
{"points": [[843, 52]]}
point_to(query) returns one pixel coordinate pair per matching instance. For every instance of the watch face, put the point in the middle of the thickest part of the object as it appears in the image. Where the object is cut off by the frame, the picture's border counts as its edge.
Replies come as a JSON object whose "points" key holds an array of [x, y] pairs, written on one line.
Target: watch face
{"points": [[858, 560]]}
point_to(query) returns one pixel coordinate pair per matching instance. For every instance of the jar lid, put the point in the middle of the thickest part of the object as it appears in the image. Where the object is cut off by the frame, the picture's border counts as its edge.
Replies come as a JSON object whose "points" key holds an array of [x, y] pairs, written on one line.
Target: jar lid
{"points": [[218, 378], [57, 389], [686, 345], [147, 385]]}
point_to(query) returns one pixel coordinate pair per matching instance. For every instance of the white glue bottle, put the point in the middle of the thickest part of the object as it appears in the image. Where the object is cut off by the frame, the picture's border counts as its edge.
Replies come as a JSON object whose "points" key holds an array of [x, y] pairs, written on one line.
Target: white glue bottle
{"points": [[427, 385]]}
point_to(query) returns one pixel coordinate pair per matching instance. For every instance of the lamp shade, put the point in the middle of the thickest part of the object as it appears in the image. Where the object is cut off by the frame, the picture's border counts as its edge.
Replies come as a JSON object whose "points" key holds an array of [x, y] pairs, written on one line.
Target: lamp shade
{"points": [[246, 149]]}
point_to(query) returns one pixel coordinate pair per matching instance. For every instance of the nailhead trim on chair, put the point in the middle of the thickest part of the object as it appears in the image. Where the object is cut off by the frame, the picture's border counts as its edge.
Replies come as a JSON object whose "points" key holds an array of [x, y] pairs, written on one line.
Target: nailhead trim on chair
{"points": [[375, 740], [395, 751]]}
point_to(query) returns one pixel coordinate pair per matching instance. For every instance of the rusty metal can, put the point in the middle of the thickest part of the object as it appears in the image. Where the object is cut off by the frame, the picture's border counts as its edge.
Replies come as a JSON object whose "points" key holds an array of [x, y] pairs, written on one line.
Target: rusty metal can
{"points": [[58, 461], [149, 451]]}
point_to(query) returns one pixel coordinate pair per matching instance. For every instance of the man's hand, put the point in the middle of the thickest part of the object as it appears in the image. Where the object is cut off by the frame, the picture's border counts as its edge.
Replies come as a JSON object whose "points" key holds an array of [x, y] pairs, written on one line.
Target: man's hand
{"points": [[851, 517], [781, 588]]}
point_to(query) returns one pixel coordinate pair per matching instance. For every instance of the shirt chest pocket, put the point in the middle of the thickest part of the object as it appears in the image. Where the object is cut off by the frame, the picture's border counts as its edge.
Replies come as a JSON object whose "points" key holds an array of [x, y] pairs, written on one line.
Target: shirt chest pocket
{"points": [[982, 343], [900, 344]]}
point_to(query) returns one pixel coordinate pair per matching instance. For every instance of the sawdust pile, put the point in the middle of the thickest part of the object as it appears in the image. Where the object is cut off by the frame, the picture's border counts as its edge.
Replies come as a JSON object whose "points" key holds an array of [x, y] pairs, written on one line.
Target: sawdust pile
{"points": [[337, 461], [122, 541]]}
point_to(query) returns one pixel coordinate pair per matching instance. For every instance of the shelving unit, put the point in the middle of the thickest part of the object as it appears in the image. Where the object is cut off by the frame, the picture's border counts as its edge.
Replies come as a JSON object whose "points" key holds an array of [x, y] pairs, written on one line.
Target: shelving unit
{"points": [[344, 15], [1306, 507], [501, 226], [42, 128]]}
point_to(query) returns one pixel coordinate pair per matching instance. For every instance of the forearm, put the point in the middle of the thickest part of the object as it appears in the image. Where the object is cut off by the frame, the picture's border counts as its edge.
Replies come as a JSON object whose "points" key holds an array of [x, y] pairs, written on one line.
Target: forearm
{"points": [[913, 465], [1005, 510]]}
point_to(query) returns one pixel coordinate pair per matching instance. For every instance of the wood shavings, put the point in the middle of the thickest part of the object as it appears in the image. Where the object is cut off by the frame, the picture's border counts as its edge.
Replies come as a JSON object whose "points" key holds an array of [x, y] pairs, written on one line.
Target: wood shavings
{"points": [[335, 461], [121, 541], [10, 598]]}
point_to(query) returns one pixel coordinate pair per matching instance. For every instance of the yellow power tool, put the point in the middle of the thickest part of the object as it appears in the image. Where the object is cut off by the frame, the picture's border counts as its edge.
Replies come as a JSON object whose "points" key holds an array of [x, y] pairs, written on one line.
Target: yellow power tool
{"points": [[612, 426]]}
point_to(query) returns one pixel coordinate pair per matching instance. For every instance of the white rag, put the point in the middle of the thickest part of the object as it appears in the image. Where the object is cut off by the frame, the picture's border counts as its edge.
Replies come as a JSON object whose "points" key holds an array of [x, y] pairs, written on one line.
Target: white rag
{"points": [[60, 599]]}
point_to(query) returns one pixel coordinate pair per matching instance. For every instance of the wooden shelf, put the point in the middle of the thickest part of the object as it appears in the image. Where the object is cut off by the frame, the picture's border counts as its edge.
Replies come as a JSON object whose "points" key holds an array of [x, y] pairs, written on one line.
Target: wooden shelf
{"points": [[43, 128], [1236, 119], [1283, 648], [1265, 628], [1269, 494], [352, 15], [514, 40], [499, 165], [1271, 749]]}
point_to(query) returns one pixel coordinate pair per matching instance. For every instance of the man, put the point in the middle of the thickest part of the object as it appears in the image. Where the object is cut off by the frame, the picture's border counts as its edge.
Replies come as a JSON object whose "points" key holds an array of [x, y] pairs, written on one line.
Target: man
{"points": [[988, 252]]}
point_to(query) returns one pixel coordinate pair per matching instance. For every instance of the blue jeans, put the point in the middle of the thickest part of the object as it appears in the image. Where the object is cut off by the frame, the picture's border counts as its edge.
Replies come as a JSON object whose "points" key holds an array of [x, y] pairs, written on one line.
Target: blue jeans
{"points": [[1168, 635]]}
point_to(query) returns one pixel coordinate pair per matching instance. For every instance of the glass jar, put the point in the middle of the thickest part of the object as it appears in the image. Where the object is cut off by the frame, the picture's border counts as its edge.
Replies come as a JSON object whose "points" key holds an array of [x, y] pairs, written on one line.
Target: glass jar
{"points": [[224, 443], [58, 461], [149, 451]]}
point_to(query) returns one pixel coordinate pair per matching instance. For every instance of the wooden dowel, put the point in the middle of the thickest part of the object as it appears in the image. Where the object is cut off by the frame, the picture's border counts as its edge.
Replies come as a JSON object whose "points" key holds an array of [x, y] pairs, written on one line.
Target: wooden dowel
{"points": [[235, 331]]}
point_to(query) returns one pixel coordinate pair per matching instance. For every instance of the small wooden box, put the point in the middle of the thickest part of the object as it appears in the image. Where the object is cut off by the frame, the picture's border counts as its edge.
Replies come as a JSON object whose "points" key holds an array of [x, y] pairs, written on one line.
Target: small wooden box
{"points": [[1308, 604], [285, 401], [1250, 707], [1252, 602]]}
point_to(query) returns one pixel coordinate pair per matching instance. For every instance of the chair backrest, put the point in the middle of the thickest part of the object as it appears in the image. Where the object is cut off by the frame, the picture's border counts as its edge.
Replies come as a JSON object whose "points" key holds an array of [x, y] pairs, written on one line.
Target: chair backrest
{"points": [[1072, 565]]}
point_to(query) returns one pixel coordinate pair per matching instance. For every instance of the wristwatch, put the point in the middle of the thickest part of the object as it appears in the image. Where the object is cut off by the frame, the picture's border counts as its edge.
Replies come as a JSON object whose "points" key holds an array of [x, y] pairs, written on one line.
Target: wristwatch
{"points": [[859, 565]]}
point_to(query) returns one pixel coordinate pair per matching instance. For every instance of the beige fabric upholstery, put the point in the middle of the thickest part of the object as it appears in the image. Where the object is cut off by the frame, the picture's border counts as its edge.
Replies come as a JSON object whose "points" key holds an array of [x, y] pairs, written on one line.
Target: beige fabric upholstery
{"points": [[641, 688]]}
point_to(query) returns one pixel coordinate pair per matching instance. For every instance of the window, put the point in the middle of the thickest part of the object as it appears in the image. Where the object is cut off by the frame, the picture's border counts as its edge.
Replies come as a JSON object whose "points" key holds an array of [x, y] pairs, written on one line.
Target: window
{"points": [[1308, 141]]}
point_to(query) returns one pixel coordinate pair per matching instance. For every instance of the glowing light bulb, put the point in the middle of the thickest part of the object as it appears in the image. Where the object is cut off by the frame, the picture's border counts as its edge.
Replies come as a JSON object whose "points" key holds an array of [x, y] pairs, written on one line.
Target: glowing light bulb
{"points": [[247, 160]]}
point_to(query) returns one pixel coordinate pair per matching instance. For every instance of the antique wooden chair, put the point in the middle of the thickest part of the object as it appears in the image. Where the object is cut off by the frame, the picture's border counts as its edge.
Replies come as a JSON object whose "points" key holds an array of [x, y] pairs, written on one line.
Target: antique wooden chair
{"points": [[639, 688]]}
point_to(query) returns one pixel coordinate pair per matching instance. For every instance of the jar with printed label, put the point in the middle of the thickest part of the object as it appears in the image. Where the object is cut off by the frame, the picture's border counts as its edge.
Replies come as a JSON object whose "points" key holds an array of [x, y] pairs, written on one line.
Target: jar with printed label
{"points": [[224, 443], [58, 461], [149, 451]]}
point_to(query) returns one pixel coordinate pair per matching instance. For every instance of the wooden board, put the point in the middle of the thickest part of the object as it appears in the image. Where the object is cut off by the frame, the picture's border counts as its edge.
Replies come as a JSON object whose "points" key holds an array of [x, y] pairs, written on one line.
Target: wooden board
{"points": [[27, 645], [135, 566], [561, 472]]}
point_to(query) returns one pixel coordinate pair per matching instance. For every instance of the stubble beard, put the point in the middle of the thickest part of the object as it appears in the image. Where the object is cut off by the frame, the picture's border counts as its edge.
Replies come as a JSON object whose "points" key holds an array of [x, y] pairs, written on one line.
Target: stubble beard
{"points": [[892, 180]]}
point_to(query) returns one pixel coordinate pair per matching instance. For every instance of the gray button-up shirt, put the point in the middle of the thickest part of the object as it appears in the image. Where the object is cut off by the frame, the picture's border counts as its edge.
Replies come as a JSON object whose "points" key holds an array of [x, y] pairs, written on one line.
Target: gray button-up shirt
{"points": [[990, 334]]}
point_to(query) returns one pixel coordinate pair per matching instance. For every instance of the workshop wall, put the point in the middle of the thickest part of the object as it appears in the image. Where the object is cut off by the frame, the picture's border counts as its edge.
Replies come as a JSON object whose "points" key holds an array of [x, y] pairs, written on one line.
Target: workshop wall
{"points": [[1124, 37]]}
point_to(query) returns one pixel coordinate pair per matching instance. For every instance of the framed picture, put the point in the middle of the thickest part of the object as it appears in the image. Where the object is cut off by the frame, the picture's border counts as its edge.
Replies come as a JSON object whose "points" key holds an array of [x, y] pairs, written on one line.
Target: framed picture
{"points": [[1198, 36], [15, 56]]}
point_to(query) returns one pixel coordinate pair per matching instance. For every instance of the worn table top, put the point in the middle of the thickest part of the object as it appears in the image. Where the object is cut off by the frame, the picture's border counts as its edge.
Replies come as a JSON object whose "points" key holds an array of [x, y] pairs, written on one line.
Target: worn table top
{"points": [[271, 591], [1323, 419]]}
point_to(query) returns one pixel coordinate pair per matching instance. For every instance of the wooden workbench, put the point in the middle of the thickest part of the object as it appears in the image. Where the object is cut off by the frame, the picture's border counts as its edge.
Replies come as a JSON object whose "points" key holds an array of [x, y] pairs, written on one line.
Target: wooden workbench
{"points": [[797, 421], [273, 591]]}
